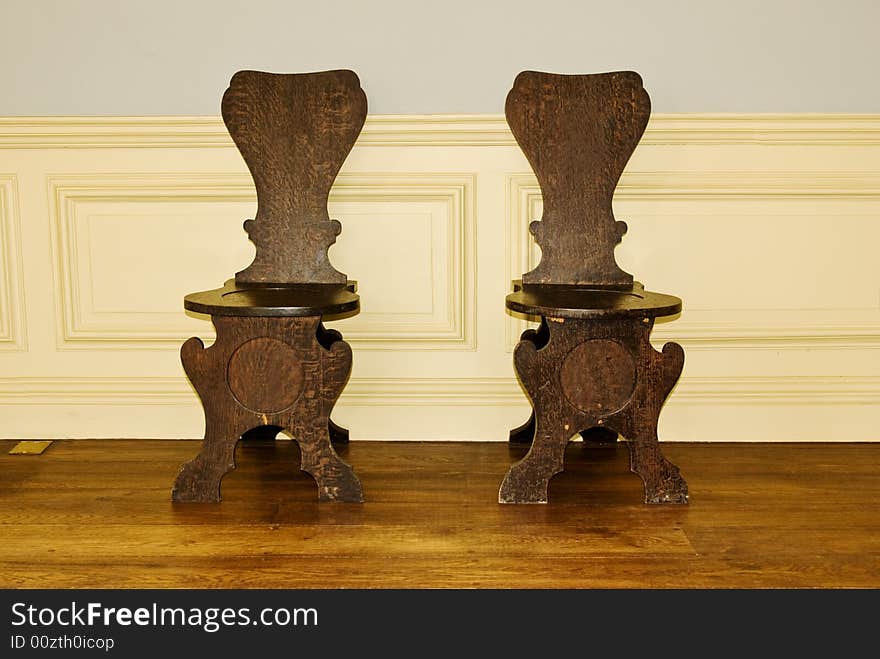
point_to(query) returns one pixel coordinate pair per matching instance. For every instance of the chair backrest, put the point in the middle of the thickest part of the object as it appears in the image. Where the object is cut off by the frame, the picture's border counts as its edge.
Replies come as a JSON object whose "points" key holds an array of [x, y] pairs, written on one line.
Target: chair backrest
{"points": [[294, 131], [578, 132]]}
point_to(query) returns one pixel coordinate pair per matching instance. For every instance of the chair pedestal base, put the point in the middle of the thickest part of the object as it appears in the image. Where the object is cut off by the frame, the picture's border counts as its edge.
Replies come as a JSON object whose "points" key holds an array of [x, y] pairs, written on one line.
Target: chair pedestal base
{"points": [[260, 376], [597, 377]]}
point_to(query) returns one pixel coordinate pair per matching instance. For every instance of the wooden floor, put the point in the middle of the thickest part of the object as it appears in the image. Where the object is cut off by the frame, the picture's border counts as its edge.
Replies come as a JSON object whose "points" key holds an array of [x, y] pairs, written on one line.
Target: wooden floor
{"points": [[97, 513]]}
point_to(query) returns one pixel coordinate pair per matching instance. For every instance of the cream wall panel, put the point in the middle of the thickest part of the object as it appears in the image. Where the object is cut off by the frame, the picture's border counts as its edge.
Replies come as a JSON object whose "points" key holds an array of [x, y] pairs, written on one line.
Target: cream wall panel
{"points": [[129, 247], [777, 249], [766, 226]]}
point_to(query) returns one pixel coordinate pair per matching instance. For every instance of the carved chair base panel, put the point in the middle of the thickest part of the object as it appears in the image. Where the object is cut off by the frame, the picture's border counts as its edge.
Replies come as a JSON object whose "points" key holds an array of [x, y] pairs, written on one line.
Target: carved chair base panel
{"points": [[338, 434], [597, 378], [596, 436], [261, 376]]}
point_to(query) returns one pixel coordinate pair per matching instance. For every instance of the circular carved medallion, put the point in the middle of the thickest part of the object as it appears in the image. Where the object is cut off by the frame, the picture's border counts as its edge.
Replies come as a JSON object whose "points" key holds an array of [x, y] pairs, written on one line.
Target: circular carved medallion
{"points": [[598, 376], [265, 375]]}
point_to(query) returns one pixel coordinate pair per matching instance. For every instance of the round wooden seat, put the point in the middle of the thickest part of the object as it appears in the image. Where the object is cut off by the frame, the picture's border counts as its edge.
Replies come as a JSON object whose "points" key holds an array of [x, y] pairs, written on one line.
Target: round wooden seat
{"points": [[327, 300], [588, 302]]}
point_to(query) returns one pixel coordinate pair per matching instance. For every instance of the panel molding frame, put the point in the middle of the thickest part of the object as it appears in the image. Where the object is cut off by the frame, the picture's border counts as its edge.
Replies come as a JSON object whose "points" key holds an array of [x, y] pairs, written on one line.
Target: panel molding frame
{"points": [[13, 326], [849, 329], [76, 330]]}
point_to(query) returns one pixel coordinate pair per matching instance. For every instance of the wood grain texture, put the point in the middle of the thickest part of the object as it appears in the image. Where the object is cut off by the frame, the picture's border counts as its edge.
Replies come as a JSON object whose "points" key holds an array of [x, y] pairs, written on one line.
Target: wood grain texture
{"points": [[338, 434], [294, 131], [589, 368], [581, 374], [578, 132], [762, 516], [267, 372], [328, 300], [580, 302], [274, 366], [597, 435]]}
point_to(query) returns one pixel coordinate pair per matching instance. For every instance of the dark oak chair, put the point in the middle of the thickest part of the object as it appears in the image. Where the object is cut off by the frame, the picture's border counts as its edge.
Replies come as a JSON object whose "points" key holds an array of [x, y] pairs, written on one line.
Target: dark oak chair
{"points": [[274, 366], [589, 368]]}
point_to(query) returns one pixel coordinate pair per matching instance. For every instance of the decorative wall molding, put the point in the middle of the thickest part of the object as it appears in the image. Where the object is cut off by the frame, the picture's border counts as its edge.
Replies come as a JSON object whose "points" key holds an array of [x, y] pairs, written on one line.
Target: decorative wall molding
{"points": [[13, 333], [440, 130], [790, 328], [446, 392], [80, 326], [453, 322], [765, 225]]}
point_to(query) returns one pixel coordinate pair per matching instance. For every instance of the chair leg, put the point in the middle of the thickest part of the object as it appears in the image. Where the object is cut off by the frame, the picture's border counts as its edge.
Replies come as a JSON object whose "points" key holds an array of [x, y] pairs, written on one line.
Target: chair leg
{"points": [[199, 479], [538, 337], [528, 480], [662, 479], [334, 477], [310, 425]]}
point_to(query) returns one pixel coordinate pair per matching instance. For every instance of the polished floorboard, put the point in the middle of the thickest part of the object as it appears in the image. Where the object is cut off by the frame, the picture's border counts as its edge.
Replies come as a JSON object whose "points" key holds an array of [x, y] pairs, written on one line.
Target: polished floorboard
{"points": [[98, 514]]}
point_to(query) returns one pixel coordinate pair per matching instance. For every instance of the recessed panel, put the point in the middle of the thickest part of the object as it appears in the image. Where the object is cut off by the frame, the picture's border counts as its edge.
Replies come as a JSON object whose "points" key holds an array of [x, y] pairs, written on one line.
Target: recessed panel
{"points": [[144, 257], [391, 253]]}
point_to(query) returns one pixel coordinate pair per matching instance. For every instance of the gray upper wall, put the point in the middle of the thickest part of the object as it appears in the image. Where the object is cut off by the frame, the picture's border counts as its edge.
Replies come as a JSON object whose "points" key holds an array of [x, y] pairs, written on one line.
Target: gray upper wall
{"points": [[141, 57]]}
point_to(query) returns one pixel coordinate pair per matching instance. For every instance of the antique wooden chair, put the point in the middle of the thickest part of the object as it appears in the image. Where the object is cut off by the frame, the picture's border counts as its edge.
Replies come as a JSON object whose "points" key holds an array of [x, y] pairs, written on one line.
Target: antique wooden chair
{"points": [[589, 367], [274, 366]]}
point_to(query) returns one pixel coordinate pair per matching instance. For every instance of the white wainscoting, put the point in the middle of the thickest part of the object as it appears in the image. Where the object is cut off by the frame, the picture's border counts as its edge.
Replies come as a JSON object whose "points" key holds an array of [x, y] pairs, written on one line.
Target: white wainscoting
{"points": [[767, 226]]}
